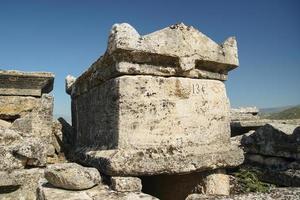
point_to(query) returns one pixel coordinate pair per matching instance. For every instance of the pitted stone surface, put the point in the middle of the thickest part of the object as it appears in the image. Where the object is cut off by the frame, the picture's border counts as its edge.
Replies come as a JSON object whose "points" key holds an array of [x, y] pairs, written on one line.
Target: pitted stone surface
{"points": [[274, 139], [21, 184], [72, 176], [147, 111], [17, 83], [178, 50], [126, 184], [164, 160], [14, 107], [46, 192]]}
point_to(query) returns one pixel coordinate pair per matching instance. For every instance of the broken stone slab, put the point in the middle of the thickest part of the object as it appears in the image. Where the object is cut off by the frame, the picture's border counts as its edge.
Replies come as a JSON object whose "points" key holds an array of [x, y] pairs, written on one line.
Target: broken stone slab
{"points": [[268, 162], [164, 160], [147, 111], [288, 178], [126, 184], [243, 126], [14, 107], [178, 50], [274, 194], [23, 184], [47, 192], [72, 176], [19, 150], [281, 140], [17, 83], [244, 113]]}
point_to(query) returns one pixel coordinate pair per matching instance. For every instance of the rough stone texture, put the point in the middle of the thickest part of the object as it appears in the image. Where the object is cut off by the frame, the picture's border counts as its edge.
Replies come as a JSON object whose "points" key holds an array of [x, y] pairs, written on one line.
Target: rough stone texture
{"points": [[72, 176], [126, 184], [177, 50], [25, 83], [46, 192], [4, 124], [217, 183], [276, 194], [26, 142], [23, 184], [39, 121], [167, 160], [147, 111], [19, 150], [57, 136], [282, 140], [70, 80], [14, 107]]}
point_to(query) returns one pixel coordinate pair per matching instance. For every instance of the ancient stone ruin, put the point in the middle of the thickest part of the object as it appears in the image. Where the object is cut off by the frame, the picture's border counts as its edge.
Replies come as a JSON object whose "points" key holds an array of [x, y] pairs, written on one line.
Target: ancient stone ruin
{"points": [[25, 131], [155, 107], [150, 120]]}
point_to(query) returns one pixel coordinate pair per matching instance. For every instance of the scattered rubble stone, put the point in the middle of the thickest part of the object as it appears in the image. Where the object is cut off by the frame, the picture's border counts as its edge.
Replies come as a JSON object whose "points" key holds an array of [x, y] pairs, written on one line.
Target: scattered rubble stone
{"points": [[72, 176], [17, 83]]}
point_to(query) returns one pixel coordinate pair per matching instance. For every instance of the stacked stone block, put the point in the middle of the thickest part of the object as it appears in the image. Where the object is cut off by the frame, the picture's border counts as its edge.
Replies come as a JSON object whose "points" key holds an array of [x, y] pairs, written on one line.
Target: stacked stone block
{"points": [[155, 104]]}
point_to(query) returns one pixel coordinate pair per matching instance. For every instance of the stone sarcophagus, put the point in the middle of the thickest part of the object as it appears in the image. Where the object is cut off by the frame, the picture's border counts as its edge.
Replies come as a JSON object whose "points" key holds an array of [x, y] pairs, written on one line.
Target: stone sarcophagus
{"points": [[155, 104]]}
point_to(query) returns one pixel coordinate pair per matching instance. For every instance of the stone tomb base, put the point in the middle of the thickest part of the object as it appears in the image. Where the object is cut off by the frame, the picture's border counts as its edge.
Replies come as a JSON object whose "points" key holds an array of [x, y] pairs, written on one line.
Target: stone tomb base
{"points": [[146, 125]]}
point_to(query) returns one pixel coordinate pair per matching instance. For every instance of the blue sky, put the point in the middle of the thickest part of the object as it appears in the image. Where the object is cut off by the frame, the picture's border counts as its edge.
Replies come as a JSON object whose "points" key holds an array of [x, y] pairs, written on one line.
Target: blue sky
{"points": [[66, 37]]}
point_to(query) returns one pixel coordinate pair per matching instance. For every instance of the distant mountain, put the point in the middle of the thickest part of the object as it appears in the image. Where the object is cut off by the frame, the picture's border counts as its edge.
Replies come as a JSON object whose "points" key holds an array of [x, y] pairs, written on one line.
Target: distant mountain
{"points": [[288, 113], [275, 109]]}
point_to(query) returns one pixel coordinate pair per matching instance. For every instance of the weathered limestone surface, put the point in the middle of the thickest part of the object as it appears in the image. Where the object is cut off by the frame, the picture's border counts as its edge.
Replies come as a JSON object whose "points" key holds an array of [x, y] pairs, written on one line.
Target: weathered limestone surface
{"points": [[14, 107], [163, 160], [20, 184], [156, 105], [147, 111], [26, 142], [39, 121], [281, 140], [177, 50], [46, 192], [126, 184], [72, 176], [19, 150], [17, 83], [275, 194]]}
